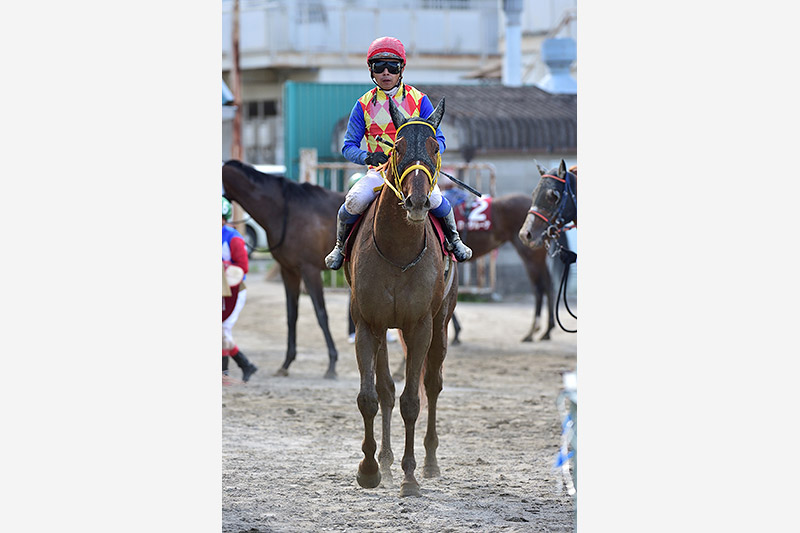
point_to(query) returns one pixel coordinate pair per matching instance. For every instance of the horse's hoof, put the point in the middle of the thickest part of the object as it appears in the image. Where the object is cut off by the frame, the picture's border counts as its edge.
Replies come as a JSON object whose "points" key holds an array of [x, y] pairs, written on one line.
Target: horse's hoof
{"points": [[409, 488], [330, 374], [431, 471], [387, 478], [369, 481], [545, 337], [529, 338], [455, 342], [281, 372]]}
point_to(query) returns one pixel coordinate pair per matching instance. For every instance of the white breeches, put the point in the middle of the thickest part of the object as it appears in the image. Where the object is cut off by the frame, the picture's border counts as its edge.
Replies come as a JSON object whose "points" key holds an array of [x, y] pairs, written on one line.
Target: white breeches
{"points": [[227, 324], [364, 191]]}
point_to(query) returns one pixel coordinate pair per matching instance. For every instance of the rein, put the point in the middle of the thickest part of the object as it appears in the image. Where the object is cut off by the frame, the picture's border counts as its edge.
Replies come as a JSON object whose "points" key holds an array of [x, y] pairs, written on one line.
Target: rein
{"points": [[398, 179], [566, 256], [439, 171], [401, 267], [391, 166]]}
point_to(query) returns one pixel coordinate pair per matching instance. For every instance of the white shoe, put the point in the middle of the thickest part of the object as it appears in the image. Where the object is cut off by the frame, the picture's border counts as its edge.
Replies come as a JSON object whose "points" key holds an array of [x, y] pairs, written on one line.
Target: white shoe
{"points": [[352, 338]]}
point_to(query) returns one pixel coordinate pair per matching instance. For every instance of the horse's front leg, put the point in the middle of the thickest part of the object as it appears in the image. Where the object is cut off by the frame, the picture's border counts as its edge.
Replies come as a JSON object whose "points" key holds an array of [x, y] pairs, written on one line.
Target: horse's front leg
{"points": [[386, 391], [433, 386], [366, 345], [418, 341], [291, 285], [537, 313], [313, 280]]}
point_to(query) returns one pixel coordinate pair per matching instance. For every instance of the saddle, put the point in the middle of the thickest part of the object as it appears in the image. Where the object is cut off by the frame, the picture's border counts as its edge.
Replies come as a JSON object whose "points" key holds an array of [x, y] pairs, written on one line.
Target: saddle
{"points": [[475, 215], [437, 227]]}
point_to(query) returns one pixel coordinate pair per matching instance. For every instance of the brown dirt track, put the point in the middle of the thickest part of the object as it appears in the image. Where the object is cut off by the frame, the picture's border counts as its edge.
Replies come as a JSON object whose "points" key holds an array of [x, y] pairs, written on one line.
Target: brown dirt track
{"points": [[291, 445]]}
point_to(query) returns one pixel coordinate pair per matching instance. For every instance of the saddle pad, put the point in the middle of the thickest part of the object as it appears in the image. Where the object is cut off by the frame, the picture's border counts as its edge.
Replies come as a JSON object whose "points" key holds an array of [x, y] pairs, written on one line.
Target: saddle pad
{"points": [[477, 218], [437, 226], [348, 243]]}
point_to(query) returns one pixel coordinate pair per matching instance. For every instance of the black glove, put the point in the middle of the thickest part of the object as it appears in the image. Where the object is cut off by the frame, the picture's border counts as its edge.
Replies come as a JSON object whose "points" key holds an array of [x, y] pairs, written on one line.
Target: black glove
{"points": [[376, 159]]}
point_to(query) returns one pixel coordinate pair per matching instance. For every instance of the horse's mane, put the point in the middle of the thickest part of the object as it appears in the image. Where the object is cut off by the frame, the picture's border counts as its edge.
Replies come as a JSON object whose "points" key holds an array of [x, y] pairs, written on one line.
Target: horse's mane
{"points": [[301, 191]]}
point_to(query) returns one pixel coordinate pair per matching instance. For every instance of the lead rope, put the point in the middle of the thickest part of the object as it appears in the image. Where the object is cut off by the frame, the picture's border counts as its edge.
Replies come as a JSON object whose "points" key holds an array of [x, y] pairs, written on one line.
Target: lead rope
{"points": [[567, 257]]}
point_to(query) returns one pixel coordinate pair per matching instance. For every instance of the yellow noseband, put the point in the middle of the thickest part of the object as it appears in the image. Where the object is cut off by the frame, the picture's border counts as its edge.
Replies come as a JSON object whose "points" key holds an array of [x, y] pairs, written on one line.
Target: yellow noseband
{"points": [[392, 163]]}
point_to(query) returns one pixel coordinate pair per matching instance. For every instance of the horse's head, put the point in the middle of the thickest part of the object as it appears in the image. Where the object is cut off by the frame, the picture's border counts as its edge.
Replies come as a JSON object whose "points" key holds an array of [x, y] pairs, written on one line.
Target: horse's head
{"points": [[554, 202], [415, 160]]}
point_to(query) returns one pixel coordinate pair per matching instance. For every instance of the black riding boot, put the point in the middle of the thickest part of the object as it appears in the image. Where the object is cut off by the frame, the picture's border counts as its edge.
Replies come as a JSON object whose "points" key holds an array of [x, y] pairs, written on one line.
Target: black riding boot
{"points": [[248, 368], [460, 250], [225, 364], [336, 257]]}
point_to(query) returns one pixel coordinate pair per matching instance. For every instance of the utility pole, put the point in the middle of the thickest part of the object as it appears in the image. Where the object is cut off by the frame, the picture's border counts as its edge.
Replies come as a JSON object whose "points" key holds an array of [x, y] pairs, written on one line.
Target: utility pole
{"points": [[236, 83]]}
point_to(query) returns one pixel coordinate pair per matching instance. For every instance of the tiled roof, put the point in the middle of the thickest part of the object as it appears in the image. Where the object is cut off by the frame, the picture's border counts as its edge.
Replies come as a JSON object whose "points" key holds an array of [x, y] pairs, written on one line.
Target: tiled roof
{"points": [[500, 118]]}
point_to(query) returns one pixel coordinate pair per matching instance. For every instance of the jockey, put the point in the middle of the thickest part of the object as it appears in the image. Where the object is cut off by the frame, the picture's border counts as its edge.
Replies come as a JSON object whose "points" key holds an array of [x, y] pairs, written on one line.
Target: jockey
{"points": [[234, 254], [386, 59]]}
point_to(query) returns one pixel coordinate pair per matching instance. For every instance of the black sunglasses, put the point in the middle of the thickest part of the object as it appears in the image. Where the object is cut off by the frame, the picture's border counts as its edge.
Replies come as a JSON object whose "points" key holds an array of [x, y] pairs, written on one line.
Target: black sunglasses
{"points": [[378, 66]]}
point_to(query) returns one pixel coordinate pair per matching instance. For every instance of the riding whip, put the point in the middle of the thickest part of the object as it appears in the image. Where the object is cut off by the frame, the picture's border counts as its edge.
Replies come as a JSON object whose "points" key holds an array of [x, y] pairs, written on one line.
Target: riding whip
{"points": [[452, 178]]}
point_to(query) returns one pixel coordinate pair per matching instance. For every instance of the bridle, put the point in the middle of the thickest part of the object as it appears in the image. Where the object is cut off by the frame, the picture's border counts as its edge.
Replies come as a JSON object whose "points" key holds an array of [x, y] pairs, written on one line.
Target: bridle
{"points": [[556, 226], [397, 188], [398, 177]]}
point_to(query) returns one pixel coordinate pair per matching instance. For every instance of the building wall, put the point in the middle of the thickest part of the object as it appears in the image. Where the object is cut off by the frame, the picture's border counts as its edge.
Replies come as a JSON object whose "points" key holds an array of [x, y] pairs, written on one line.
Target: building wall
{"points": [[326, 41]]}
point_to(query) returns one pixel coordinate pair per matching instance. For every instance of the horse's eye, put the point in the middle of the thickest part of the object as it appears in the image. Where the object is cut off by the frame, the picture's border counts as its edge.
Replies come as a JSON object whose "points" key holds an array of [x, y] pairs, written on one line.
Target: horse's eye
{"points": [[553, 195]]}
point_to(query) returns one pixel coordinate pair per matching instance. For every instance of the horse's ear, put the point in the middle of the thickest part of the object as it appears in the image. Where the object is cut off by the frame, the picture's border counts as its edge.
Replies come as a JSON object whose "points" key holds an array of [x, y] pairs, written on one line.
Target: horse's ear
{"points": [[540, 168], [398, 119], [400, 148], [438, 113], [562, 168]]}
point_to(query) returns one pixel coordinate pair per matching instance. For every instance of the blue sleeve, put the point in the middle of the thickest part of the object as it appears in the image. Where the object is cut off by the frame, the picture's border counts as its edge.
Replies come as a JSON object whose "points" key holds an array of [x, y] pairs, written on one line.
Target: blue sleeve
{"points": [[356, 127], [425, 110]]}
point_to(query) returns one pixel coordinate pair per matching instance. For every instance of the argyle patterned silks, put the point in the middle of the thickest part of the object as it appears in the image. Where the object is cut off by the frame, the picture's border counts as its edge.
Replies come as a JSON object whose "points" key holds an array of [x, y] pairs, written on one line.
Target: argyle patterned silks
{"points": [[377, 118]]}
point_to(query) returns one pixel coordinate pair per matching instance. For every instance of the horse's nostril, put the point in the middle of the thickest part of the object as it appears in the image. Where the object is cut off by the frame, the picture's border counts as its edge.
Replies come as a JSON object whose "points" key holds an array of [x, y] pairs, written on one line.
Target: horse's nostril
{"points": [[408, 203], [427, 203]]}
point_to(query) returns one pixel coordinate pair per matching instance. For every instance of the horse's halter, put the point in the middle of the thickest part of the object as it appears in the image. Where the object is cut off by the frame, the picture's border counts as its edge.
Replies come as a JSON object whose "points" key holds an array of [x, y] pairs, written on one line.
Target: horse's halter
{"points": [[554, 226], [398, 178], [551, 233]]}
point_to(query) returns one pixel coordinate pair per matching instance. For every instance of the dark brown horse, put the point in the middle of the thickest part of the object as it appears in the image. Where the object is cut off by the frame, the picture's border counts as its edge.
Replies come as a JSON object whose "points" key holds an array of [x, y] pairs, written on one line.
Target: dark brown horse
{"points": [[300, 221], [400, 278], [553, 203], [508, 215]]}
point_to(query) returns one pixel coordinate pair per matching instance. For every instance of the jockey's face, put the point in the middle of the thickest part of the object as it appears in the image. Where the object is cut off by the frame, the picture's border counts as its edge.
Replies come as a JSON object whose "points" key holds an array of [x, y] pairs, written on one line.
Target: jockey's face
{"points": [[385, 79]]}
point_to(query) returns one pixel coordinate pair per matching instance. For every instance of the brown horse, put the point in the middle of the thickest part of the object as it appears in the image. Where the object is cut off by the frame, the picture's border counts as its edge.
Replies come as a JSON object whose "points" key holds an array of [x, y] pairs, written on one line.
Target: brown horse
{"points": [[508, 215], [400, 278], [300, 221], [554, 202]]}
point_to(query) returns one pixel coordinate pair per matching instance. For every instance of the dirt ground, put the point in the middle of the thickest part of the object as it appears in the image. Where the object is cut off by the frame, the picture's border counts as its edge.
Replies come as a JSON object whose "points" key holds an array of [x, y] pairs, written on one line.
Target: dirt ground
{"points": [[291, 445]]}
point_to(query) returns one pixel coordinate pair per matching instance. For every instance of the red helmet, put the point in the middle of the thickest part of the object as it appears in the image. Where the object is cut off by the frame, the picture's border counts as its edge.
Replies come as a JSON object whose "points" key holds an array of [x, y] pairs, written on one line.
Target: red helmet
{"points": [[386, 48]]}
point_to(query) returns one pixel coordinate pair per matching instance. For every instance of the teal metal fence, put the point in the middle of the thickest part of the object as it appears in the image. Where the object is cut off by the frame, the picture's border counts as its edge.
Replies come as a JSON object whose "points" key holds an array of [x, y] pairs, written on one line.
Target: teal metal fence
{"points": [[311, 110]]}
